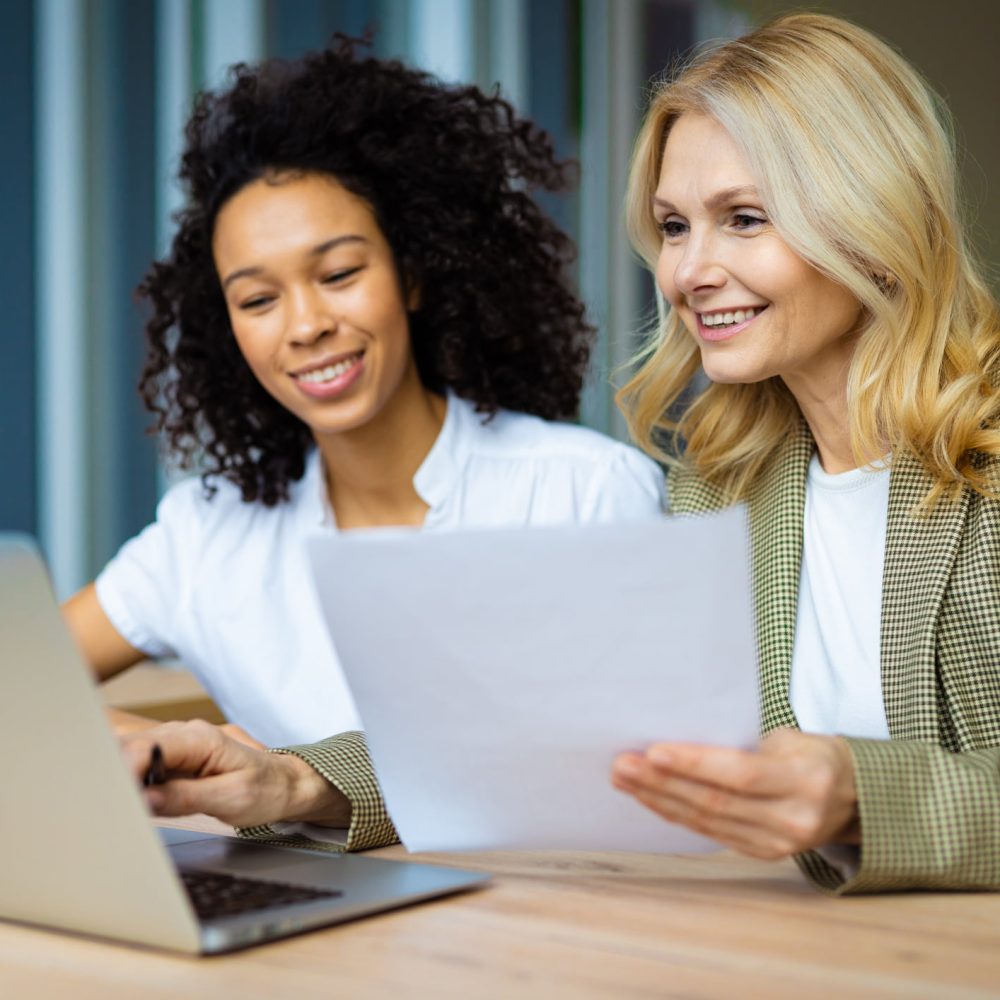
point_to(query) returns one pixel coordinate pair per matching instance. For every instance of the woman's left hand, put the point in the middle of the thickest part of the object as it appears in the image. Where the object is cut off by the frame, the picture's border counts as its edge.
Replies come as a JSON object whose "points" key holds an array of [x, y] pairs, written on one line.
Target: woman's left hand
{"points": [[794, 792]]}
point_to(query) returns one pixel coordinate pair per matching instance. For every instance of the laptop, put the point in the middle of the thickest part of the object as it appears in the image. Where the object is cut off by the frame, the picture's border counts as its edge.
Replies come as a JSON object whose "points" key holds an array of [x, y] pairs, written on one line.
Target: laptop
{"points": [[77, 849]]}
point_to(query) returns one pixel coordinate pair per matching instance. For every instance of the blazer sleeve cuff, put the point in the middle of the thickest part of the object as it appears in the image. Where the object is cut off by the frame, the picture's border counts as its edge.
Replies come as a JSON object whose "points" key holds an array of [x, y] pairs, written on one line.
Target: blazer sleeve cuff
{"points": [[344, 761], [930, 819]]}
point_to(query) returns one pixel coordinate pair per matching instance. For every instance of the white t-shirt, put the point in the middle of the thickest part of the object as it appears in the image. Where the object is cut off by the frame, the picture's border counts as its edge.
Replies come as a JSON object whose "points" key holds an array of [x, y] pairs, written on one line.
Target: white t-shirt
{"points": [[836, 683], [225, 587]]}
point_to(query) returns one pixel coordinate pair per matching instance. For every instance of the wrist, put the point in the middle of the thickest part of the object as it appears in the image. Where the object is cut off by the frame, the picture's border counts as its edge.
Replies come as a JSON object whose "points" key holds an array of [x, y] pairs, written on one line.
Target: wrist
{"points": [[849, 831], [308, 796]]}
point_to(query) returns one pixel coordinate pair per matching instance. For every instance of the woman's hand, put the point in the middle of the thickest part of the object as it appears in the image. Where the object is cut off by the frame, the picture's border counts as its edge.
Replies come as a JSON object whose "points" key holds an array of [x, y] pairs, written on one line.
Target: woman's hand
{"points": [[794, 792], [209, 772]]}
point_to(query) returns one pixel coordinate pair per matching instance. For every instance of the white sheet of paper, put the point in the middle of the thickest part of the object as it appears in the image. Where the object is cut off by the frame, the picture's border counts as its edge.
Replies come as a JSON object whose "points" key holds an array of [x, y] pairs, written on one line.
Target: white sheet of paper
{"points": [[499, 672]]}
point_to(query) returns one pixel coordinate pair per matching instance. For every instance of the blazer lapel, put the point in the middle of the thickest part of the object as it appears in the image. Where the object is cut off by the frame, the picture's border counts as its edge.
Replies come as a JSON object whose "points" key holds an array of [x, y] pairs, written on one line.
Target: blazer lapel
{"points": [[777, 508], [919, 553]]}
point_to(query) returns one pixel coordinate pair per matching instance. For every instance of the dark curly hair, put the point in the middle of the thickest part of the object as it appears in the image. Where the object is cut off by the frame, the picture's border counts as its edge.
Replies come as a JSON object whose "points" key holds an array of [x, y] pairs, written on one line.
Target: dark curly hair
{"points": [[446, 170]]}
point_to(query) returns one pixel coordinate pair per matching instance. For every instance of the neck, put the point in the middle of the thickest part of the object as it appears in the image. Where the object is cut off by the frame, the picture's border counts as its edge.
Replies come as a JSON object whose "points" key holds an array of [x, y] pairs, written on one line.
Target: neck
{"points": [[823, 403], [370, 470]]}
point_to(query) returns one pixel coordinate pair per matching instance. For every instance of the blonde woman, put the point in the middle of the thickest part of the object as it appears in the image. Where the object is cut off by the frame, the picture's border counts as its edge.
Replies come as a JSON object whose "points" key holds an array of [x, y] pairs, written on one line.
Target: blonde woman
{"points": [[794, 193]]}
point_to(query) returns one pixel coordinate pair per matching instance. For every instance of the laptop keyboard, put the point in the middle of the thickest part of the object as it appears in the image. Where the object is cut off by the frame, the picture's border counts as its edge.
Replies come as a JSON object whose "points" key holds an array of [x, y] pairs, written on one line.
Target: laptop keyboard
{"points": [[216, 895]]}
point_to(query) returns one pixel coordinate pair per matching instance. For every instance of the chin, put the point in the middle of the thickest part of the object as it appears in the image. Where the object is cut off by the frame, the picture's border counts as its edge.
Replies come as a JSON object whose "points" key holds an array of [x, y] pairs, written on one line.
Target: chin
{"points": [[729, 371], [723, 375]]}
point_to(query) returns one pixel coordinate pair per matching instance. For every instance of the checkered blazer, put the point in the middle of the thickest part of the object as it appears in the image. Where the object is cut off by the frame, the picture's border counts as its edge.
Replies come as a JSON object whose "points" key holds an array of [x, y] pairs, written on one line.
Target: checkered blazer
{"points": [[929, 798]]}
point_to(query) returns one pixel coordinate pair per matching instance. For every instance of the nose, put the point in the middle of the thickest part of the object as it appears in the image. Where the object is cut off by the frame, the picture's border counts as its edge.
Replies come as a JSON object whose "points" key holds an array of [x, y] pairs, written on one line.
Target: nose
{"points": [[309, 316], [698, 268]]}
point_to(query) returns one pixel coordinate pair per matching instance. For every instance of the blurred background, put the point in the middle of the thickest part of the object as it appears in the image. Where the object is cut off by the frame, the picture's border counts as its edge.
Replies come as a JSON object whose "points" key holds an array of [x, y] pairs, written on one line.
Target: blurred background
{"points": [[95, 96]]}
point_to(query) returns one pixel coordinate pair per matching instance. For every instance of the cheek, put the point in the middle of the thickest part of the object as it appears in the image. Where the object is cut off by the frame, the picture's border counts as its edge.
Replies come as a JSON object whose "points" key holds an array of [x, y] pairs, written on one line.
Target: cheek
{"points": [[253, 345], [830, 307], [846, 309], [392, 323]]}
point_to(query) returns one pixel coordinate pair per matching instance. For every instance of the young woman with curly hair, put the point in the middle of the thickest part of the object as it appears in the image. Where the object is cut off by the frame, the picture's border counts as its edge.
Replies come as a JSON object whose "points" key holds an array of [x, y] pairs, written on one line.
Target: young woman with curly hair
{"points": [[364, 320]]}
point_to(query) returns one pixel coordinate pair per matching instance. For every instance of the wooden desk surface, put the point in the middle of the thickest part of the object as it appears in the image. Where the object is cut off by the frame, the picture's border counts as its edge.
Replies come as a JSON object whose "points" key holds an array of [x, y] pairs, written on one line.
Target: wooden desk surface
{"points": [[570, 925]]}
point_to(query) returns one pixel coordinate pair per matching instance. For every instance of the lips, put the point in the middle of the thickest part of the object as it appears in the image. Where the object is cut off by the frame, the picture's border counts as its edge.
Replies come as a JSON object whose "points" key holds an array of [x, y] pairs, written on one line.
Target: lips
{"points": [[329, 377], [721, 324], [327, 371]]}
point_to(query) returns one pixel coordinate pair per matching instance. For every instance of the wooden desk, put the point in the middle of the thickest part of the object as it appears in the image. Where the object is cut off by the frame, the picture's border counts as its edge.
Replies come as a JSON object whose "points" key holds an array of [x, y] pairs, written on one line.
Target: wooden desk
{"points": [[161, 693], [570, 926]]}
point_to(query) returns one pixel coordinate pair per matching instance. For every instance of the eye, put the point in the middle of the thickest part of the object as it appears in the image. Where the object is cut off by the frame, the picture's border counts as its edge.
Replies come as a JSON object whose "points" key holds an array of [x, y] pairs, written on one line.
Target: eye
{"points": [[747, 221], [672, 227], [336, 277], [257, 302]]}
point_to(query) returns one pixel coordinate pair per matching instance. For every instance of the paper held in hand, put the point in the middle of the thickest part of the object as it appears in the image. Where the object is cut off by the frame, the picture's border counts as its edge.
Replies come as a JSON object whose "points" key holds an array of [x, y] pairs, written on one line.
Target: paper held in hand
{"points": [[499, 672]]}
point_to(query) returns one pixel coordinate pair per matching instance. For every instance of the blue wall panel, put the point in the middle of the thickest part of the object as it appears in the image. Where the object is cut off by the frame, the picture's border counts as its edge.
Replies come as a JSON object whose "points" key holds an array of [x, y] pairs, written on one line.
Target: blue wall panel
{"points": [[18, 487]]}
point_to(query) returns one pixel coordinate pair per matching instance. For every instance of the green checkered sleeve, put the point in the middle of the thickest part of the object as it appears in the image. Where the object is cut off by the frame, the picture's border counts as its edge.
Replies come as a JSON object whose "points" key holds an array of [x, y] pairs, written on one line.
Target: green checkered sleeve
{"points": [[930, 819], [344, 761]]}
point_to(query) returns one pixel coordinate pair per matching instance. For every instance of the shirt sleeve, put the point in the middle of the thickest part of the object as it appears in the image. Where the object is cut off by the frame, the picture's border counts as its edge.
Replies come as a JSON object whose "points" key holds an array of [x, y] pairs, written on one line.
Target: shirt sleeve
{"points": [[142, 587], [344, 761], [629, 487], [930, 819]]}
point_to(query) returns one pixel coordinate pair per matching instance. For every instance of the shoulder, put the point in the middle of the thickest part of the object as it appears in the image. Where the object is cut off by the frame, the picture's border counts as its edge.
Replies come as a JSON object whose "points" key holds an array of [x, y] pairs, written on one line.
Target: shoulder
{"points": [[778, 485], [603, 476], [192, 502], [521, 435], [214, 506], [984, 508]]}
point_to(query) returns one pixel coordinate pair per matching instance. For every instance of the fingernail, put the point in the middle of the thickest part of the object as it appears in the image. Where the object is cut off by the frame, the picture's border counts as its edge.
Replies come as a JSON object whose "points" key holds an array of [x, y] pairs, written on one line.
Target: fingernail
{"points": [[627, 767], [660, 756]]}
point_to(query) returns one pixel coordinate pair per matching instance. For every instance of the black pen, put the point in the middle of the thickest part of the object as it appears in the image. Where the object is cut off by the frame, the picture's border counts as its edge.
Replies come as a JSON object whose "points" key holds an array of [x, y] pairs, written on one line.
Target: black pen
{"points": [[156, 773]]}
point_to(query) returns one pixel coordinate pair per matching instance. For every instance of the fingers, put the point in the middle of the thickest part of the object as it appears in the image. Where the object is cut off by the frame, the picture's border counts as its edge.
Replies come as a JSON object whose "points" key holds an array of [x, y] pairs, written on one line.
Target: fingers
{"points": [[228, 797], [209, 772], [137, 752], [196, 748], [762, 828], [748, 772], [703, 807], [794, 793], [205, 772], [747, 838]]}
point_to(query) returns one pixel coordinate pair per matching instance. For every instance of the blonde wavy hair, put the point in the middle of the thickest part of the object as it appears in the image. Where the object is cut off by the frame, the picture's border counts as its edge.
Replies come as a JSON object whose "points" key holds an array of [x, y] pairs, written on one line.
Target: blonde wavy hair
{"points": [[854, 159]]}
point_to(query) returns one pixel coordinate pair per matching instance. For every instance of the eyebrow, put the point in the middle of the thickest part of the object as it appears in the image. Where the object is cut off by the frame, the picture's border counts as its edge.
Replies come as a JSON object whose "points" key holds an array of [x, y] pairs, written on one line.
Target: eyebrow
{"points": [[316, 251], [723, 197]]}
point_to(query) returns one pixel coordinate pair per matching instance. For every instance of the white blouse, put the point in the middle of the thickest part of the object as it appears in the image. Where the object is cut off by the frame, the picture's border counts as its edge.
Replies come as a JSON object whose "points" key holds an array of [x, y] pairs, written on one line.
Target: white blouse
{"points": [[224, 585]]}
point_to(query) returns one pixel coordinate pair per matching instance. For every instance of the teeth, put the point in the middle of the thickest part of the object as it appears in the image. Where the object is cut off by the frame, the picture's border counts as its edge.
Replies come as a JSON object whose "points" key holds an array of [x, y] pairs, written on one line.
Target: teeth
{"points": [[729, 318], [329, 373]]}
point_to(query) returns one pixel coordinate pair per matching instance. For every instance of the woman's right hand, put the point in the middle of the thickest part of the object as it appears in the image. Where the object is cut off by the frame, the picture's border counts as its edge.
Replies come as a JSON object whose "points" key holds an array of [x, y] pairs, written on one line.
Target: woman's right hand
{"points": [[208, 771]]}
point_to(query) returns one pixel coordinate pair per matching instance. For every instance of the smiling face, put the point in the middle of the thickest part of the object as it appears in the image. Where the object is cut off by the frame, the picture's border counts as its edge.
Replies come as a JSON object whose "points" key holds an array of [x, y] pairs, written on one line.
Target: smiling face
{"points": [[315, 301], [755, 308]]}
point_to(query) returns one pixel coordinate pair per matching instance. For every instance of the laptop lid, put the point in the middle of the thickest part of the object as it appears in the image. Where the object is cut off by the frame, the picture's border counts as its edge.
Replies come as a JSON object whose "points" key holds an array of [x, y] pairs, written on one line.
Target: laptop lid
{"points": [[76, 846]]}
